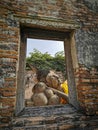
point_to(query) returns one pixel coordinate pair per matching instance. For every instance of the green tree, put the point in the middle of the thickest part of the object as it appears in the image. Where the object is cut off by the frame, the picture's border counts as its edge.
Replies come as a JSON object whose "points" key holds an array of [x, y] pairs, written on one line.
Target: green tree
{"points": [[46, 61], [39, 60]]}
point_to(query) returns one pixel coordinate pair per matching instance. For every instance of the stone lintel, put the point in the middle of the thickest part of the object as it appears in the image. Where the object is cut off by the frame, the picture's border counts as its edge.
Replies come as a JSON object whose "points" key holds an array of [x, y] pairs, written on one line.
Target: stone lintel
{"points": [[50, 23]]}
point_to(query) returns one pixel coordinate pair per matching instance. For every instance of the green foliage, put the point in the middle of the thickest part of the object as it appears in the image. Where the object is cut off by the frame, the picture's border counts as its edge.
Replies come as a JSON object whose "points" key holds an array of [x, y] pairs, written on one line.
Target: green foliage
{"points": [[46, 61]]}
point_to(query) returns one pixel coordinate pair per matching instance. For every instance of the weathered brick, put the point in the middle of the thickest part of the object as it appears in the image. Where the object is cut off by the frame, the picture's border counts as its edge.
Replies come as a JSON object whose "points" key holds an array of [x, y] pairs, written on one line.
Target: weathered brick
{"points": [[8, 94], [13, 13], [88, 100], [7, 110], [8, 89], [10, 84], [3, 125], [8, 52], [8, 56], [84, 87], [5, 120], [85, 80], [7, 113], [7, 101], [94, 80], [10, 79], [66, 127]]}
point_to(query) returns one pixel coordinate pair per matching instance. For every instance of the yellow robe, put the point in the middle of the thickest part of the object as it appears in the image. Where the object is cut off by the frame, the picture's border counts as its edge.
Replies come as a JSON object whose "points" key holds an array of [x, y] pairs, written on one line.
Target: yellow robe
{"points": [[64, 86]]}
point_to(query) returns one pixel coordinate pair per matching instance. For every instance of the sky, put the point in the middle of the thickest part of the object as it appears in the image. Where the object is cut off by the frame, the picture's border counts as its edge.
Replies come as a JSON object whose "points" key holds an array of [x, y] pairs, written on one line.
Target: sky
{"points": [[44, 46]]}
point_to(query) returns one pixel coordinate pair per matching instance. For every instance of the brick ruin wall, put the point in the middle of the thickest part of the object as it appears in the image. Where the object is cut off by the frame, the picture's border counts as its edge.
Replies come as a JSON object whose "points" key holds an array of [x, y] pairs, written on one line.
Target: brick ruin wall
{"points": [[12, 13]]}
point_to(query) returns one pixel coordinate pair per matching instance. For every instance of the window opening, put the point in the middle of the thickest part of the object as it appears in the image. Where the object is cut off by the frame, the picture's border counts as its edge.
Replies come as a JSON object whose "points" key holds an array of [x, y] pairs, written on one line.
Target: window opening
{"points": [[45, 75], [71, 61]]}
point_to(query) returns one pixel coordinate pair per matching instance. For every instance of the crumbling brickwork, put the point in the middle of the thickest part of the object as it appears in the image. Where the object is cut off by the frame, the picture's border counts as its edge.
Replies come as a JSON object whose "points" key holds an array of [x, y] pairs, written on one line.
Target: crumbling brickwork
{"points": [[87, 85], [23, 12]]}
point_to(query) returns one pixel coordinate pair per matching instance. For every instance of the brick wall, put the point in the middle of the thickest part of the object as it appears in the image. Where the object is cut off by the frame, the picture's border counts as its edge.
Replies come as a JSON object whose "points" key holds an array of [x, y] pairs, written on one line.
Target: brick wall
{"points": [[12, 13], [9, 40], [87, 86]]}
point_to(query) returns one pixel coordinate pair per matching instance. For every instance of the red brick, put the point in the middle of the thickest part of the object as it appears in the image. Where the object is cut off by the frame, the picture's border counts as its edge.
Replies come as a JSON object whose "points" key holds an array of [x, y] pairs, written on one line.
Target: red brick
{"points": [[5, 120], [94, 80], [8, 89], [8, 101], [85, 80], [10, 79], [8, 94], [86, 87]]}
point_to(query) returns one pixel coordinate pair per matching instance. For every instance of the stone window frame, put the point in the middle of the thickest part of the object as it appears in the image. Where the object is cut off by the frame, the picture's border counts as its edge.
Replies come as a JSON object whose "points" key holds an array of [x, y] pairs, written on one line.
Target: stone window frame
{"points": [[48, 30]]}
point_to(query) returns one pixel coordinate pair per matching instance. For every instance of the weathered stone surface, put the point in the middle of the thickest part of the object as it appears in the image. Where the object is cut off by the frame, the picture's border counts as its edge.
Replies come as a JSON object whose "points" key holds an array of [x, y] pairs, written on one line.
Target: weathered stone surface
{"points": [[60, 15], [86, 46], [92, 5], [53, 118]]}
